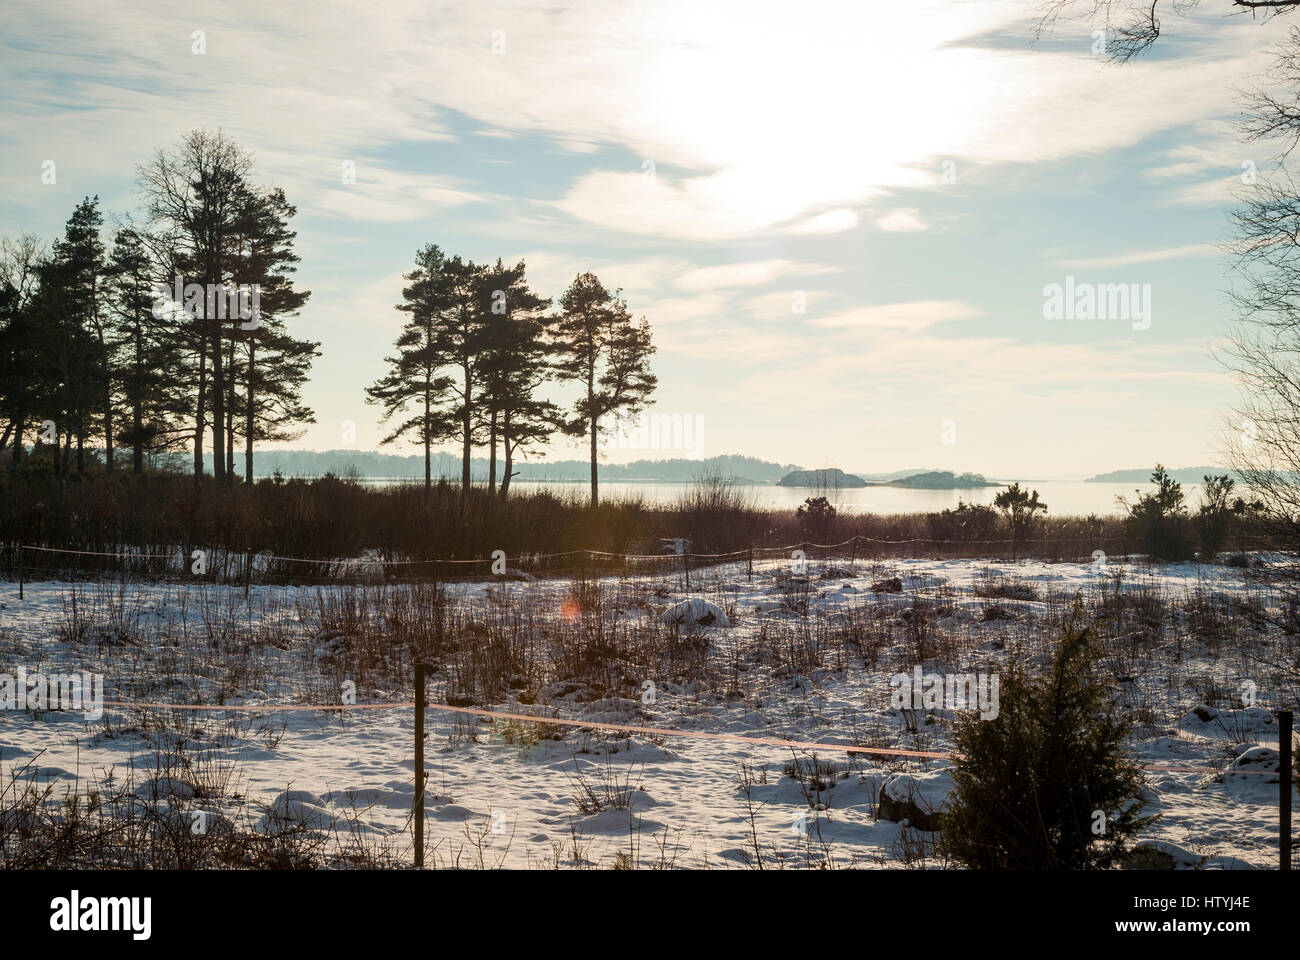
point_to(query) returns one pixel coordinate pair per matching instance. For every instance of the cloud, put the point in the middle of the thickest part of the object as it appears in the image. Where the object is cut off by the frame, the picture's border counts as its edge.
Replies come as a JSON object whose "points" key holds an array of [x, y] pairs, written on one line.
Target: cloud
{"points": [[832, 221], [1142, 256], [749, 274], [912, 317], [383, 195], [905, 220]]}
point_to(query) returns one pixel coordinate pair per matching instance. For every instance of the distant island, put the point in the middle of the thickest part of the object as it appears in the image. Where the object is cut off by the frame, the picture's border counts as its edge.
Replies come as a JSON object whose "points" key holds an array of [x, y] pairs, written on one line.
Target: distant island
{"points": [[829, 478], [1143, 475], [832, 478], [943, 480]]}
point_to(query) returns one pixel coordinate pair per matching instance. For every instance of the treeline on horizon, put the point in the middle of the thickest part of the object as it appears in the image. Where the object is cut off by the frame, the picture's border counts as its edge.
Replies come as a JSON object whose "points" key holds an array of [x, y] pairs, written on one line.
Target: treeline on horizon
{"points": [[170, 340], [370, 464]]}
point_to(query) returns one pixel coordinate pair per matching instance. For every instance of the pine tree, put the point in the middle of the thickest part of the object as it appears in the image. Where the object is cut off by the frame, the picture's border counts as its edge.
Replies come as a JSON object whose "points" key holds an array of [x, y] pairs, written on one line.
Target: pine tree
{"points": [[1047, 784], [80, 255], [147, 344], [413, 378], [514, 363], [20, 343], [601, 347], [265, 401], [461, 332]]}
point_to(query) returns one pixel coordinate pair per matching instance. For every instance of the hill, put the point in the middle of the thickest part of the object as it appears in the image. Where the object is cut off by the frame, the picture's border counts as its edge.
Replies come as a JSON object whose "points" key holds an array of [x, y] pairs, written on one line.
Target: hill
{"points": [[828, 478], [943, 480], [1143, 475]]}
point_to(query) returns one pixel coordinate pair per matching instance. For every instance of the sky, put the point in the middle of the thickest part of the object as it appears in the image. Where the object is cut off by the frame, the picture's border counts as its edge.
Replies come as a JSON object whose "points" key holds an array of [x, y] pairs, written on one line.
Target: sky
{"points": [[839, 219]]}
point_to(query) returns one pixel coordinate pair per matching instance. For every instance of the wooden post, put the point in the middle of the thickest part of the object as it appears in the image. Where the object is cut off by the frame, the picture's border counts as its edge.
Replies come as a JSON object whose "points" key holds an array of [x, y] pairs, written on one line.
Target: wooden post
{"points": [[751, 562], [1284, 719], [686, 567], [20, 571], [419, 765], [248, 573]]}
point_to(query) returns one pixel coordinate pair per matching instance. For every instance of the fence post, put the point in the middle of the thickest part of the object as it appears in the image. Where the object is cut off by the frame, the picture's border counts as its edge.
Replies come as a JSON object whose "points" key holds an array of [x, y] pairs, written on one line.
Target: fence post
{"points": [[248, 573], [751, 561], [419, 765], [686, 567], [20, 571], [1284, 719]]}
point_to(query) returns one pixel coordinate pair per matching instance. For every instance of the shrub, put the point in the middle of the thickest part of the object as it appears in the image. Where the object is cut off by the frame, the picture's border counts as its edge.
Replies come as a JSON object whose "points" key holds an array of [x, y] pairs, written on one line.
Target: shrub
{"points": [[1158, 521], [1020, 508], [1214, 520], [968, 523], [1032, 783], [817, 519]]}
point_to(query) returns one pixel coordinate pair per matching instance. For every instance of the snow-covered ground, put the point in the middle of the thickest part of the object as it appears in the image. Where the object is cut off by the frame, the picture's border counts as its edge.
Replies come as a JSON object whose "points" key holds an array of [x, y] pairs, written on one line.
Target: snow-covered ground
{"points": [[513, 794]]}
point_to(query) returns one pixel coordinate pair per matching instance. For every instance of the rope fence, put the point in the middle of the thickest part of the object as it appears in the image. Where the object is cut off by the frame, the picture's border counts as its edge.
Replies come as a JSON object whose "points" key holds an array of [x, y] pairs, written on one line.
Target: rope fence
{"points": [[26, 561], [617, 728]]}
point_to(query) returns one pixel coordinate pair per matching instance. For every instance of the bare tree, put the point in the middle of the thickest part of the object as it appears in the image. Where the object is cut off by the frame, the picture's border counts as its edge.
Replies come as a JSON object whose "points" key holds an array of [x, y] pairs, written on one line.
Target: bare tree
{"points": [[1132, 26], [194, 197]]}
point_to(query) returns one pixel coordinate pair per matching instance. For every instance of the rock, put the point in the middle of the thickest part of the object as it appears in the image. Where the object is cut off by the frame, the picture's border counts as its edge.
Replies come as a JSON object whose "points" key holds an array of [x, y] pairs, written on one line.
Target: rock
{"points": [[292, 808], [695, 612], [1236, 726], [164, 788], [919, 800], [1160, 855], [1254, 762]]}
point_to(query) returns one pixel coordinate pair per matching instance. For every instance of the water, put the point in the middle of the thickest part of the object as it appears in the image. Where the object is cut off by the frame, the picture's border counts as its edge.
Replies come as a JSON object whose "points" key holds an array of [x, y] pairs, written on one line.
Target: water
{"points": [[1063, 497]]}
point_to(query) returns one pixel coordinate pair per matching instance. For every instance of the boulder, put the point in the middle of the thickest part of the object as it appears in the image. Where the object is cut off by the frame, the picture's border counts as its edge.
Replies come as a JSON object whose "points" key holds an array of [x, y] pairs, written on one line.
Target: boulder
{"points": [[920, 800], [695, 612]]}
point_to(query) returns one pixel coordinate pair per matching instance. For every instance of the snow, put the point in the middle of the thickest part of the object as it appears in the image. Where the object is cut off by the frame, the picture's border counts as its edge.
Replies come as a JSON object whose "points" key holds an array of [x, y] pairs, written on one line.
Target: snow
{"points": [[706, 799]]}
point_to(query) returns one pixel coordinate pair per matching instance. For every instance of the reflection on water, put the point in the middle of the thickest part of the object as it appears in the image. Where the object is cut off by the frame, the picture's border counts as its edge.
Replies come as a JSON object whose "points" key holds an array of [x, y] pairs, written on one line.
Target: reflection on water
{"points": [[1063, 497]]}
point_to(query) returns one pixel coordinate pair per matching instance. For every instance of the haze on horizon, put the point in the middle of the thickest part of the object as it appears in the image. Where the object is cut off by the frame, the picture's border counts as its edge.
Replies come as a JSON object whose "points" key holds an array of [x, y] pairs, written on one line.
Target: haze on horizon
{"points": [[913, 178]]}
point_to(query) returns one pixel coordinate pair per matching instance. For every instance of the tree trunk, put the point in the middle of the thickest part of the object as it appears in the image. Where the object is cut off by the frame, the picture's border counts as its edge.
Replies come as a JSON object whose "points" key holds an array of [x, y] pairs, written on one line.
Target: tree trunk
{"points": [[137, 412], [508, 450], [591, 412], [199, 407], [230, 413], [248, 418], [218, 407], [18, 448], [465, 438], [108, 408], [492, 456], [428, 472], [595, 482]]}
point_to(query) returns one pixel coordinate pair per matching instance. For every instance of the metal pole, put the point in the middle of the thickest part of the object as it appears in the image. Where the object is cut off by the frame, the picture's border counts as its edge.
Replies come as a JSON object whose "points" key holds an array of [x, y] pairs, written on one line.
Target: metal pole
{"points": [[419, 765], [1284, 719]]}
